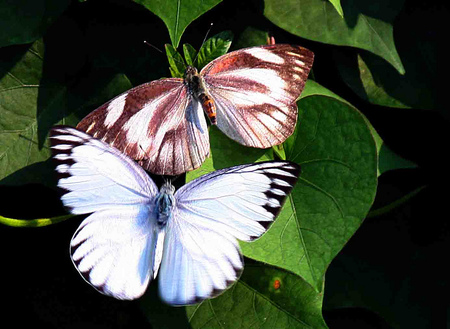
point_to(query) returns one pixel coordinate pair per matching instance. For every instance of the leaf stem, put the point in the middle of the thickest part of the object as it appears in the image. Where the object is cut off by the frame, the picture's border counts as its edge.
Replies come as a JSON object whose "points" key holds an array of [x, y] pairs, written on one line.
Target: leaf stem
{"points": [[39, 222], [395, 204]]}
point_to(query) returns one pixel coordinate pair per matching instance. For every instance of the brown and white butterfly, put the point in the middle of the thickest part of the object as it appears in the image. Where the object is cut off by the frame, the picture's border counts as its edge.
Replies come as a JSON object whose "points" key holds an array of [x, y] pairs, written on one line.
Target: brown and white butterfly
{"points": [[250, 94]]}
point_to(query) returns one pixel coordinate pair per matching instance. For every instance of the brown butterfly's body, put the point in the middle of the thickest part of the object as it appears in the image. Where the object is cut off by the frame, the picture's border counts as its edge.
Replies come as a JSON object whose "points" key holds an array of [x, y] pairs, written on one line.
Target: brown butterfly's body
{"points": [[198, 90]]}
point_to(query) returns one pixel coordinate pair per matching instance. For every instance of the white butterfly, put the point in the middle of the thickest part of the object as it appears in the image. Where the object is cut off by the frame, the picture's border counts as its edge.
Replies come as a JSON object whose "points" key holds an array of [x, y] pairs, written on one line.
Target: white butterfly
{"points": [[250, 94], [133, 230]]}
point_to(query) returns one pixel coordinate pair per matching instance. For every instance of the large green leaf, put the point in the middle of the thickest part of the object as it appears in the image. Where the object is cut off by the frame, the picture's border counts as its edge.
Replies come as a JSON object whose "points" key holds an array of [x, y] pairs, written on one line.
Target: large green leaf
{"points": [[31, 102], [254, 302], [387, 159], [177, 14], [24, 21], [365, 25], [264, 297], [21, 107]]}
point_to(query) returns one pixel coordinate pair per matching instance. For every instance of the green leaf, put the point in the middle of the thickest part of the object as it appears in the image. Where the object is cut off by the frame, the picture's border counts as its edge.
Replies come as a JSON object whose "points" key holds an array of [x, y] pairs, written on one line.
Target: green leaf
{"points": [[253, 302], [250, 37], [365, 25], [24, 100], [367, 81], [24, 21], [177, 14], [374, 80], [337, 5], [227, 153], [279, 151], [214, 47], [177, 65], [31, 101], [387, 159], [190, 54]]}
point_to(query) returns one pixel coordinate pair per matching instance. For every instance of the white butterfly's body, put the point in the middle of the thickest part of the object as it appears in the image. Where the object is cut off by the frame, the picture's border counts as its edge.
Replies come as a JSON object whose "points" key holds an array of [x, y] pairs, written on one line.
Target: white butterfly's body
{"points": [[164, 204], [249, 94], [135, 231]]}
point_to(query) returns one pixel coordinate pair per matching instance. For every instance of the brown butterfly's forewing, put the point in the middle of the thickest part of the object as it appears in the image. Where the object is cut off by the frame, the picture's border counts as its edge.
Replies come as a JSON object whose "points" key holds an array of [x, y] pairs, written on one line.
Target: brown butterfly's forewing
{"points": [[255, 92], [157, 123]]}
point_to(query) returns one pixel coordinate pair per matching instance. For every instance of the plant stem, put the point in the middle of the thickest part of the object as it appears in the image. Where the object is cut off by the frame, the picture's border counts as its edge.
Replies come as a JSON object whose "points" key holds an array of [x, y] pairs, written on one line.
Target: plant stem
{"points": [[395, 204], [39, 222]]}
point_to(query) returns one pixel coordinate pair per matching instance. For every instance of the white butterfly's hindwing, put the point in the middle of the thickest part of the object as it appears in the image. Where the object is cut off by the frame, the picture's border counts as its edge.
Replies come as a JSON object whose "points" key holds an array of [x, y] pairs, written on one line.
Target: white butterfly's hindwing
{"points": [[114, 248], [201, 256], [158, 123], [197, 263], [255, 91], [249, 93]]}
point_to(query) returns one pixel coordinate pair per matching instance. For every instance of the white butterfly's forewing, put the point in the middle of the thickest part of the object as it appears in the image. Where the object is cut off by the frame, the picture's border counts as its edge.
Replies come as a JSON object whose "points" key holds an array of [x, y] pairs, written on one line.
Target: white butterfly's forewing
{"points": [[201, 255], [157, 123], [114, 248], [255, 90]]}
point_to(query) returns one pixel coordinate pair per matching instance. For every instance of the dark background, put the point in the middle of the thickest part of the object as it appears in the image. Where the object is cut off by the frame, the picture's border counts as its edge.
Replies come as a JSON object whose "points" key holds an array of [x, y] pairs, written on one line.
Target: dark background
{"points": [[391, 274]]}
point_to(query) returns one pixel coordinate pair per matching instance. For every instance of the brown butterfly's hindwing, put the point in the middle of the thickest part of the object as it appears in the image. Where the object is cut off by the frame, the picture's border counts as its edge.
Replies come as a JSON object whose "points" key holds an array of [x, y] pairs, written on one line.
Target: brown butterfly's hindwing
{"points": [[255, 92]]}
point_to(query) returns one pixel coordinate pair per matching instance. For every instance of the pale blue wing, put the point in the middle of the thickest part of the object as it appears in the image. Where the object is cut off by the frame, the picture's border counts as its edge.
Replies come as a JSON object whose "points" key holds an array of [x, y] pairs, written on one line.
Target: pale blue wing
{"points": [[114, 248], [201, 254]]}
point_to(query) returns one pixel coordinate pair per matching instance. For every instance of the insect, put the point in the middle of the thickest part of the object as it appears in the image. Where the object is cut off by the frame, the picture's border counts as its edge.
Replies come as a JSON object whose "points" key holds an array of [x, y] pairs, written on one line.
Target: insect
{"points": [[135, 231], [249, 94]]}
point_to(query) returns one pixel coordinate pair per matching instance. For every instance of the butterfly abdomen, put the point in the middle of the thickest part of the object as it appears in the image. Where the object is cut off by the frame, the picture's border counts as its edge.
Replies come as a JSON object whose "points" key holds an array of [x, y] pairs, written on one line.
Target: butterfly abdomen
{"points": [[198, 90], [209, 107]]}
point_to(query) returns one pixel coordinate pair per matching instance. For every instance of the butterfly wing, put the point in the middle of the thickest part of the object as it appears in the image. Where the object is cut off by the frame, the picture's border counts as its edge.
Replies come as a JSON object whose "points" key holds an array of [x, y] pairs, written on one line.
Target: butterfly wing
{"points": [[158, 124], [114, 248], [201, 255], [255, 90]]}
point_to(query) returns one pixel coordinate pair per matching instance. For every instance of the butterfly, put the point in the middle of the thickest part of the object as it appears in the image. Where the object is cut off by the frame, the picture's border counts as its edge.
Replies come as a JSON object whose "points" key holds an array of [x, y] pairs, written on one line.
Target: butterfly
{"points": [[135, 230], [250, 94]]}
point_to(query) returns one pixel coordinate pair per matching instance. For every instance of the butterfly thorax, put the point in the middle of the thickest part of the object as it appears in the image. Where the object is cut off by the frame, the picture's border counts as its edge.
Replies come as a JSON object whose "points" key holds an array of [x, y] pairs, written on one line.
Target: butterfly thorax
{"points": [[197, 88], [164, 204]]}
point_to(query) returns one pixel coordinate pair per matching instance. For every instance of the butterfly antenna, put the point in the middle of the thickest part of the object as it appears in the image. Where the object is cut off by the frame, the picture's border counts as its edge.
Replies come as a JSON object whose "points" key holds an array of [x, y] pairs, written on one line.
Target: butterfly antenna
{"points": [[174, 58], [203, 42], [154, 47]]}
